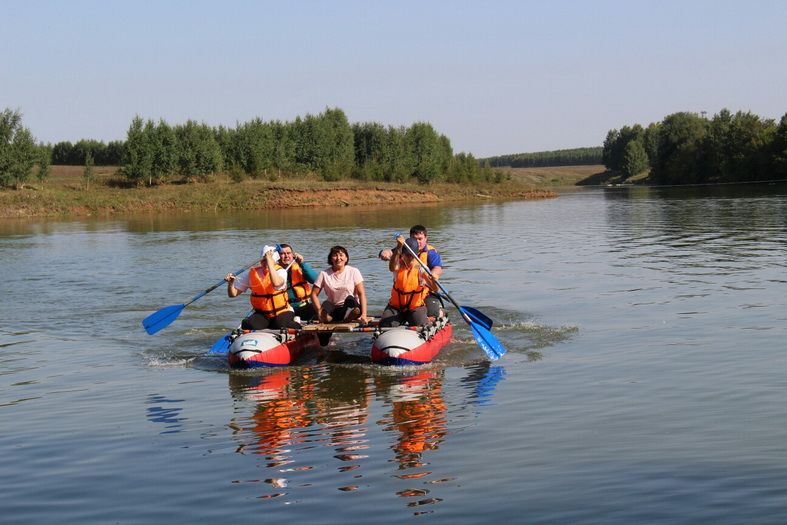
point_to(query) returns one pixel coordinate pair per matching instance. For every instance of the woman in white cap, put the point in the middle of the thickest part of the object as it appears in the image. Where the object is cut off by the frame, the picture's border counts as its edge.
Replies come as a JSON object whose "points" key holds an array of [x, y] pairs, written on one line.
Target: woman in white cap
{"points": [[268, 283]]}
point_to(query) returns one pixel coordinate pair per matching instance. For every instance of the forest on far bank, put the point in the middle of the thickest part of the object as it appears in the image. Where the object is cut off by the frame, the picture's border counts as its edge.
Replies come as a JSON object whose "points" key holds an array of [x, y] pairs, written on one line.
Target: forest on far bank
{"points": [[684, 148], [688, 148], [325, 144]]}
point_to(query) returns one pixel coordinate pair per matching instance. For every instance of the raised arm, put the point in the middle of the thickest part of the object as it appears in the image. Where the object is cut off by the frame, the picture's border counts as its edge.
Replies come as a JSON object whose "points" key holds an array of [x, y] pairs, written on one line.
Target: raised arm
{"points": [[393, 262], [276, 279], [231, 290]]}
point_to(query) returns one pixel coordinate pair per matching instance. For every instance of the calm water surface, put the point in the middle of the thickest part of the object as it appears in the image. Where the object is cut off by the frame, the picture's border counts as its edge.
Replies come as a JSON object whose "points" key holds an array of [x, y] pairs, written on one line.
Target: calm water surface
{"points": [[646, 378]]}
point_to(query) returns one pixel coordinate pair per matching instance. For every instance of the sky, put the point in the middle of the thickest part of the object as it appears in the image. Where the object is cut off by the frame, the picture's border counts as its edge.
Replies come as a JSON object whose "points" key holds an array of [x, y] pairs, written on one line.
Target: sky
{"points": [[495, 77]]}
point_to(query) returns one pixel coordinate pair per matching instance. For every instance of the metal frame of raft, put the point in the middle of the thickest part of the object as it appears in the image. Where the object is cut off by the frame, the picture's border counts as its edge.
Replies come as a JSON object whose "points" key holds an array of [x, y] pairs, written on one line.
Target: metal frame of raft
{"points": [[402, 345]]}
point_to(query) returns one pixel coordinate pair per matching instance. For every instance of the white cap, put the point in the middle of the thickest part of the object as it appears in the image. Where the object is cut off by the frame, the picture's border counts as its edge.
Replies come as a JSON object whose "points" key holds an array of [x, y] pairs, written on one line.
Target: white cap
{"points": [[274, 249]]}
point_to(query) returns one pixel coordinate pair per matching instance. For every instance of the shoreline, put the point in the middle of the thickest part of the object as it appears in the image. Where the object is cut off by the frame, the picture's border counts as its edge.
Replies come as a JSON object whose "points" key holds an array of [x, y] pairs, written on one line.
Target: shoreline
{"points": [[64, 195]]}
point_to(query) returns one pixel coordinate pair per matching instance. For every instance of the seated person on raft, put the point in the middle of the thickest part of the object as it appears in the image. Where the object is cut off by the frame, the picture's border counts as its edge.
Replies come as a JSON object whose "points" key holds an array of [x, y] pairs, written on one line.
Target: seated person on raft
{"points": [[410, 287], [429, 256], [343, 285], [300, 277], [268, 283]]}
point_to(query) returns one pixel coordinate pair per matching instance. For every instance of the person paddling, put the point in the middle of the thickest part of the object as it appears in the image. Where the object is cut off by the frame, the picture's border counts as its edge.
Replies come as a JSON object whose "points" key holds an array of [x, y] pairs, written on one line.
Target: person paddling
{"points": [[431, 257], [410, 287], [300, 277], [268, 284]]}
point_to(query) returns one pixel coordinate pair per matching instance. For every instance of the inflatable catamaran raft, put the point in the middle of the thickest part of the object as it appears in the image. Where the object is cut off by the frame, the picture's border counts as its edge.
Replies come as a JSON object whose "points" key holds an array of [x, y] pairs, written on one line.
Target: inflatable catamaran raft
{"points": [[402, 345]]}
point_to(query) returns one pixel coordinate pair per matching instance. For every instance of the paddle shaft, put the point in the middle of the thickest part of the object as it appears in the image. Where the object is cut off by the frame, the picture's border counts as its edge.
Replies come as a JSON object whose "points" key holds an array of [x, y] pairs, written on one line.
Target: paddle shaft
{"points": [[206, 292]]}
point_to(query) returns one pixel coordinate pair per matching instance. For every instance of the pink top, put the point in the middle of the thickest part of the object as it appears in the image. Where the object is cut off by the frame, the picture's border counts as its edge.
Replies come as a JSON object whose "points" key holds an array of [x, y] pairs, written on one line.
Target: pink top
{"points": [[338, 286]]}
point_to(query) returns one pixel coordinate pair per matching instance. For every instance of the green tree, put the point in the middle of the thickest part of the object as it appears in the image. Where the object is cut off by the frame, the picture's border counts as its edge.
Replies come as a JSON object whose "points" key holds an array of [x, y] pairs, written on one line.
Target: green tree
{"points": [[650, 140], [464, 168], [635, 159], [61, 153], [400, 161], [715, 161], [199, 154], [779, 150], [284, 155], [427, 152], [254, 147], [335, 145], [615, 145], [87, 173], [44, 163], [138, 153], [18, 151], [680, 145], [750, 148], [608, 156], [371, 150], [164, 150]]}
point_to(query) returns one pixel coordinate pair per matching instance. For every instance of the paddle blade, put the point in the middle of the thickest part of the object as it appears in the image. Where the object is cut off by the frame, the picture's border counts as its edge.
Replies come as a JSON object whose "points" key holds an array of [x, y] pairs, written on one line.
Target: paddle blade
{"points": [[488, 343], [162, 318], [477, 316], [222, 346]]}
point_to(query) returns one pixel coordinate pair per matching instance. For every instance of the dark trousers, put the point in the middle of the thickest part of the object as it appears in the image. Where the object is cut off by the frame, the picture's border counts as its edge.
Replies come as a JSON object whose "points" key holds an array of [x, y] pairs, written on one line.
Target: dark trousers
{"points": [[258, 321], [433, 305], [393, 317], [305, 311], [338, 313]]}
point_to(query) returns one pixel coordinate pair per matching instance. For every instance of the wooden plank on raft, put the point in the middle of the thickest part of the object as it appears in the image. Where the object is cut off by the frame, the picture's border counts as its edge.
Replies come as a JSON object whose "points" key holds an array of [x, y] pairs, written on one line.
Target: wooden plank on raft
{"points": [[338, 327]]}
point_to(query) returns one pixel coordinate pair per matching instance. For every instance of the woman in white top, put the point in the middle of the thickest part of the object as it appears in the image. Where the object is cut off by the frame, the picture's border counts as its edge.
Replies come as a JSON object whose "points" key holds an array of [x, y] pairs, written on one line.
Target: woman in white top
{"points": [[343, 285]]}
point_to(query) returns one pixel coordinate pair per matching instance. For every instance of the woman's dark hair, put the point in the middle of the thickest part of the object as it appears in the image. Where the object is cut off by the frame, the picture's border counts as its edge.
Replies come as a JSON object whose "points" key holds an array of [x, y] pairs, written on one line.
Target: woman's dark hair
{"points": [[337, 249]]}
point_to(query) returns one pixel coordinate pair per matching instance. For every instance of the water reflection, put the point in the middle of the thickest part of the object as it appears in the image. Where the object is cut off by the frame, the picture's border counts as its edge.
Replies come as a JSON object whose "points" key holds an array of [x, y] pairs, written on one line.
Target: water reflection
{"points": [[305, 419], [417, 414], [159, 412]]}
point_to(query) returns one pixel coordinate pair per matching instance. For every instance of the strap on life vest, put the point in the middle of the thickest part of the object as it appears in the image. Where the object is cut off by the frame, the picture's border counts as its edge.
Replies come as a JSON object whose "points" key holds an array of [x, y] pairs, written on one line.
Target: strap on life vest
{"points": [[264, 297], [298, 284], [407, 292]]}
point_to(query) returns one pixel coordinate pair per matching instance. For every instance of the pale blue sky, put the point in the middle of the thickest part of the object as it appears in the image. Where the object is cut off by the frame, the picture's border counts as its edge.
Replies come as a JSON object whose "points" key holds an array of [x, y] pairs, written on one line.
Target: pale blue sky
{"points": [[496, 77]]}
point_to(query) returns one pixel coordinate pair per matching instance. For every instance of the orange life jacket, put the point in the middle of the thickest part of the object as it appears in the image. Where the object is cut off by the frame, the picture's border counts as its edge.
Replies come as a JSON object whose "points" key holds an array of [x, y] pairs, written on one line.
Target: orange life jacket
{"points": [[408, 293], [299, 285], [266, 299], [424, 255]]}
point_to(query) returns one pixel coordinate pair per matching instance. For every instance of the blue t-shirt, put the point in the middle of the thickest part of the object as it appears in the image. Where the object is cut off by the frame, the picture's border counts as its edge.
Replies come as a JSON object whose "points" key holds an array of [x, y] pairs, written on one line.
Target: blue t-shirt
{"points": [[432, 258]]}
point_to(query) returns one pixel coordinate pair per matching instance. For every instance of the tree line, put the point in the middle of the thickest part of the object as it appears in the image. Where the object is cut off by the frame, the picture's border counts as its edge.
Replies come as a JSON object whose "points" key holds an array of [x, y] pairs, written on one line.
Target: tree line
{"points": [[540, 159], [687, 148], [104, 154], [326, 144]]}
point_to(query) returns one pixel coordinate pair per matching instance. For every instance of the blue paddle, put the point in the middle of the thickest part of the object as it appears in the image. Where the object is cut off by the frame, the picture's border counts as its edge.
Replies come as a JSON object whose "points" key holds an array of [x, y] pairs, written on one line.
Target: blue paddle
{"points": [[222, 346], [488, 343], [162, 318], [475, 315]]}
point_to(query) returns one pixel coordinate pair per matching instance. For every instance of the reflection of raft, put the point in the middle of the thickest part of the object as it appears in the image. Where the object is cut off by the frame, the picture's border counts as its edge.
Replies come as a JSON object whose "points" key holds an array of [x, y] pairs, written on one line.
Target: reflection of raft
{"points": [[411, 346], [390, 346]]}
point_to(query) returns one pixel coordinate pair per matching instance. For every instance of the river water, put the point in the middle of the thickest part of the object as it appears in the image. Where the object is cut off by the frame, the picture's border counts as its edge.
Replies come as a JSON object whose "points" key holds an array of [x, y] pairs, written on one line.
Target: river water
{"points": [[645, 379]]}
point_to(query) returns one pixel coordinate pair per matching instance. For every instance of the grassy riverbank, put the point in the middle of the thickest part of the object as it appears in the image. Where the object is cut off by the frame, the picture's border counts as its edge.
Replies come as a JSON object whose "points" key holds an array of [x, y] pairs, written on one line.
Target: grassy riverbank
{"points": [[64, 193]]}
